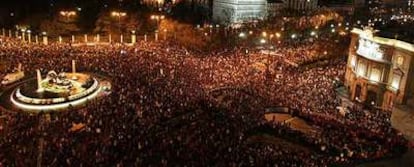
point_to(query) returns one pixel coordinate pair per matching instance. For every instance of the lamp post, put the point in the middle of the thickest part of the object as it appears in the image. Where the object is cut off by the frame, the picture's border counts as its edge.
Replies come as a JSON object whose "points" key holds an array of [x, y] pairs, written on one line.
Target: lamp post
{"points": [[85, 38], [133, 37], [45, 41], [98, 38], [29, 36], [73, 39], [241, 35], [119, 15], [67, 14], [23, 34], [158, 19]]}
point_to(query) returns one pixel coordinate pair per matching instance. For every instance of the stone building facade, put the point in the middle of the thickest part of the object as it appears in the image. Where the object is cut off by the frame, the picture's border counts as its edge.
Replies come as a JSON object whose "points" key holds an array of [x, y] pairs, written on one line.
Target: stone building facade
{"points": [[380, 71]]}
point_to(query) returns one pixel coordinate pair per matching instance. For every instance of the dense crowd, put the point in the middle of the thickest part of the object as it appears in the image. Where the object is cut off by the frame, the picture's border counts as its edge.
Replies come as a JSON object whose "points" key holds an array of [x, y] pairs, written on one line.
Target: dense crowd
{"points": [[169, 106]]}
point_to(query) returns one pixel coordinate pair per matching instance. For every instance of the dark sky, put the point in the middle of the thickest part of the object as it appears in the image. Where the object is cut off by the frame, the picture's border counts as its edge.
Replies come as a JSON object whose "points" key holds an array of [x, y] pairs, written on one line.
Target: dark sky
{"points": [[11, 11]]}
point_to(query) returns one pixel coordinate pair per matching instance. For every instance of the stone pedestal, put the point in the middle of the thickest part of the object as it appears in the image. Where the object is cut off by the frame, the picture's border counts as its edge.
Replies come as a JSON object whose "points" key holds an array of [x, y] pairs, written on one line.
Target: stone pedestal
{"points": [[39, 80]]}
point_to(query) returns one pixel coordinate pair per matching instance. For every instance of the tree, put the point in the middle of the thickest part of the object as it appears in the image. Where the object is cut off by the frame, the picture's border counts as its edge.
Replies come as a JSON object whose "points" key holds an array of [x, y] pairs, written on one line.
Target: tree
{"points": [[60, 26], [113, 25]]}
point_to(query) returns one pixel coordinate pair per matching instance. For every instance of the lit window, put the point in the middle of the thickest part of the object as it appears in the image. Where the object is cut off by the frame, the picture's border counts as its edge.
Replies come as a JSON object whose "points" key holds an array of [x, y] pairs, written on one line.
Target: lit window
{"points": [[369, 49], [353, 61], [396, 81], [361, 68], [375, 74], [400, 60]]}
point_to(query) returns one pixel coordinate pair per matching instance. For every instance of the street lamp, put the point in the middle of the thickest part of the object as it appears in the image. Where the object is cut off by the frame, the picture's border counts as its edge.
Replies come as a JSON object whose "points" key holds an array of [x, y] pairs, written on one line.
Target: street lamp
{"points": [[118, 15], [67, 13], [264, 34], [29, 36], [23, 34], [158, 19]]}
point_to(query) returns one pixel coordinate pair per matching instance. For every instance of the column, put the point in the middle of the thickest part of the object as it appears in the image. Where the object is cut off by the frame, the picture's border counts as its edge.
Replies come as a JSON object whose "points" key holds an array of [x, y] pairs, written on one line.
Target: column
{"points": [[122, 38], [145, 37], [133, 37], [73, 66], [86, 38], [110, 38], [156, 36], [73, 39], [45, 40], [39, 80], [60, 39], [37, 39], [29, 36], [23, 36], [98, 38]]}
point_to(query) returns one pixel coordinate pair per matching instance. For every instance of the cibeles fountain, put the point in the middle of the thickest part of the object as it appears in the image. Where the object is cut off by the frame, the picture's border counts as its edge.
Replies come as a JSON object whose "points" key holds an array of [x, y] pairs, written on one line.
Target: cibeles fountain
{"points": [[58, 91]]}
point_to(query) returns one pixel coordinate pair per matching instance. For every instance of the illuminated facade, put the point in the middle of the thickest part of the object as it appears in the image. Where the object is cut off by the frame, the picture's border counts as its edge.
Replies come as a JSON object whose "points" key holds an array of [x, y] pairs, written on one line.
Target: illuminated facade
{"points": [[380, 71], [301, 4], [237, 11]]}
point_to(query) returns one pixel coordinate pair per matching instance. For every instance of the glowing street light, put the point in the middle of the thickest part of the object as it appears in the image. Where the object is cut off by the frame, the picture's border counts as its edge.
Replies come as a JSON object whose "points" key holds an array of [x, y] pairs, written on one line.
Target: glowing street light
{"points": [[158, 19], [264, 34], [242, 35], [118, 15], [278, 35], [29, 36], [262, 41], [293, 36], [66, 13]]}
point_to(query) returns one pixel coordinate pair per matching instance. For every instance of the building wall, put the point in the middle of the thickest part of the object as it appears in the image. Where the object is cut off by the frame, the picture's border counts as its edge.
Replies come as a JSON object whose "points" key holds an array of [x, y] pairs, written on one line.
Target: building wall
{"points": [[274, 9], [233, 11], [386, 79], [301, 4]]}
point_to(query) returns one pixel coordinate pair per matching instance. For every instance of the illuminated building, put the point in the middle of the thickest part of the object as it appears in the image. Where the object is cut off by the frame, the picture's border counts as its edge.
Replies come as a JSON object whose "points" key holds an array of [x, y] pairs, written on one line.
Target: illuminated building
{"points": [[301, 4], [380, 71], [238, 11], [274, 7]]}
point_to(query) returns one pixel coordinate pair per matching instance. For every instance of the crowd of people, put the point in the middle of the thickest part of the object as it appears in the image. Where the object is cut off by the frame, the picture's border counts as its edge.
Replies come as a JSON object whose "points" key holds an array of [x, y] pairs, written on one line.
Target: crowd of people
{"points": [[170, 106]]}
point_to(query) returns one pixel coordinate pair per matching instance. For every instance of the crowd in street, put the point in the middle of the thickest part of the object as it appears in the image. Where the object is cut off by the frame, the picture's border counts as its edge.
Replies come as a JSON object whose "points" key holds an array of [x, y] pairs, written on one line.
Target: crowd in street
{"points": [[169, 106]]}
